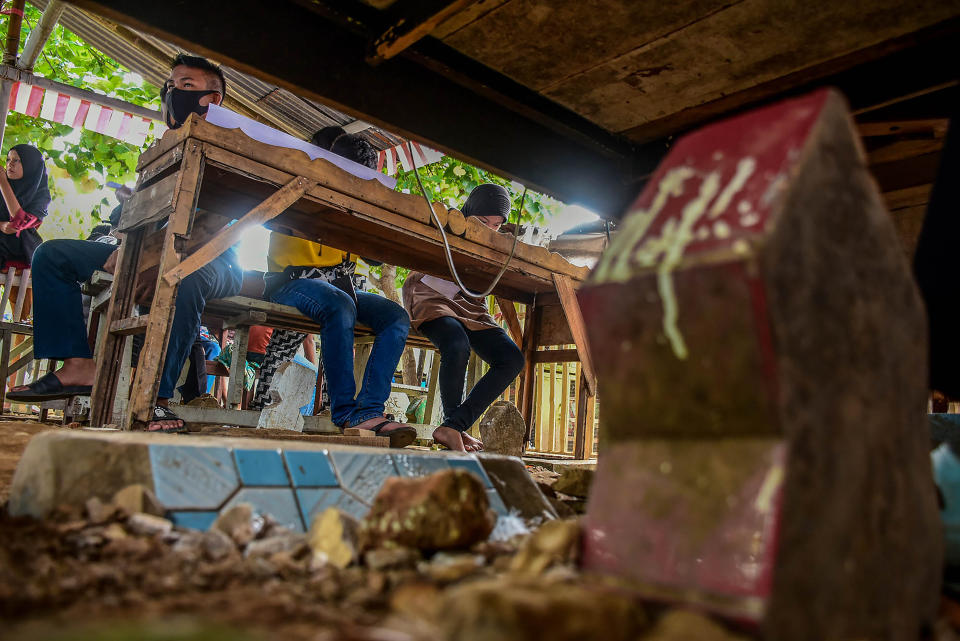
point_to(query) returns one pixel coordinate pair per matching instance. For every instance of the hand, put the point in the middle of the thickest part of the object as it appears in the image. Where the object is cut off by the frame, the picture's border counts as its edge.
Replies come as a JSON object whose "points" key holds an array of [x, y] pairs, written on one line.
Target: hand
{"points": [[110, 265], [7, 227]]}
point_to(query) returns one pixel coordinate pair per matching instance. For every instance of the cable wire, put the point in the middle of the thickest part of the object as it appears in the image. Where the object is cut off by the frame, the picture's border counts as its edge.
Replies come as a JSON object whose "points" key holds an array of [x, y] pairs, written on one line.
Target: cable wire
{"points": [[446, 244]]}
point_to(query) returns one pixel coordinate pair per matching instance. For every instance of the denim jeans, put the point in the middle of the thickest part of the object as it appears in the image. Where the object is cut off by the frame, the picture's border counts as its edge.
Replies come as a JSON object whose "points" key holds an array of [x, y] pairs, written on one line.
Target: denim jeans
{"points": [[60, 266], [454, 342], [336, 312]]}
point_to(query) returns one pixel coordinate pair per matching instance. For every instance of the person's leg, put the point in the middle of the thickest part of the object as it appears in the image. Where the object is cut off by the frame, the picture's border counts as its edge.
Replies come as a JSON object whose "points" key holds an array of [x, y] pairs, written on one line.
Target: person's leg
{"points": [[282, 347], [390, 324], [450, 338], [335, 311], [506, 362], [59, 327], [211, 349], [218, 279]]}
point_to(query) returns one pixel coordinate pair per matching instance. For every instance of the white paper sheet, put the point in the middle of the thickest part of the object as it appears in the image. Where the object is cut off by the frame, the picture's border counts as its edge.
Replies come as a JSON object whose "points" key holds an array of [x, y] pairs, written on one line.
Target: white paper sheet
{"points": [[443, 287], [223, 117]]}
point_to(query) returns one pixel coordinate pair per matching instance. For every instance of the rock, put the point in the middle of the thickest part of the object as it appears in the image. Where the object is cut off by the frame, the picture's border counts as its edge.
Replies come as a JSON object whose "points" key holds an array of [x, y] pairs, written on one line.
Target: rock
{"points": [[517, 488], [114, 532], [240, 523], [138, 498], [148, 524], [388, 558], [417, 599], [554, 543], [502, 428], [216, 545], [446, 510], [515, 610], [205, 400], [684, 625], [574, 481], [562, 508], [334, 536], [98, 511], [293, 544], [449, 568]]}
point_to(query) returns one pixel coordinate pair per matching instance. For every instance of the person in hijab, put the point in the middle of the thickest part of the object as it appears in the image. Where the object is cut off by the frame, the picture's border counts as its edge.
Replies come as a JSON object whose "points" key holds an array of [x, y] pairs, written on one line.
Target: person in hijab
{"points": [[26, 197], [455, 324]]}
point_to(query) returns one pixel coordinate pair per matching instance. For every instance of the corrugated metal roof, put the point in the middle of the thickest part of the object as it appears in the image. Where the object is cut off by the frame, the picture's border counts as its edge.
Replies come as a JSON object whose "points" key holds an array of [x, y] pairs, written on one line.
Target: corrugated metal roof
{"points": [[150, 57]]}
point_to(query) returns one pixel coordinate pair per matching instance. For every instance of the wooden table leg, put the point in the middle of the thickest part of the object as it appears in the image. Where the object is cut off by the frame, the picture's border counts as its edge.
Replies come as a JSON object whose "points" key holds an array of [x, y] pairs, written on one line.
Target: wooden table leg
{"points": [[583, 429], [109, 350], [531, 331]]}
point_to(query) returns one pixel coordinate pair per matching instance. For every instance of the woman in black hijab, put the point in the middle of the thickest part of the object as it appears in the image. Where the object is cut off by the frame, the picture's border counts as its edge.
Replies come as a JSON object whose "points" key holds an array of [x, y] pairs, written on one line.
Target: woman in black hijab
{"points": [[26, 197]]}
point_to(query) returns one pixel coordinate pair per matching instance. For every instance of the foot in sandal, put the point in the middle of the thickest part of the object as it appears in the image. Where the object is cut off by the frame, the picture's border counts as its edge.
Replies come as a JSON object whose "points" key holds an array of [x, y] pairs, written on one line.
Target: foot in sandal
{"points": [[400, 435], [165, 421]]}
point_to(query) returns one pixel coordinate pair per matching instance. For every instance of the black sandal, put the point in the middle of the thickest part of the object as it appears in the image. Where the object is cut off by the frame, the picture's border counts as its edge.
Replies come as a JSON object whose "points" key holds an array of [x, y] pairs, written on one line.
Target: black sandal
{"points": [[48, 388], [399, 437], [163, 413]]}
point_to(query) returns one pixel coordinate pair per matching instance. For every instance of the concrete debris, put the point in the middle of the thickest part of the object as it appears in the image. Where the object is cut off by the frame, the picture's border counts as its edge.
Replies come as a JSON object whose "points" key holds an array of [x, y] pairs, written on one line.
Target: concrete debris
{"points": [[241, 523], [508, 527], [292, 543], [447, 567], [574, 481], [502, 429], [446, 510], [556, 542], [394, 557], [98, 511], [334, 537], [148, 524], [138, 498]]}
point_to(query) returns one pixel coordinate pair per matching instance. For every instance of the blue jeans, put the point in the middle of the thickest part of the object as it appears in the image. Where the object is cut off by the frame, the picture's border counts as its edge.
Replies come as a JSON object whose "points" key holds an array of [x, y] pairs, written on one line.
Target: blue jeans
{"points": [[336, 312], [60, 266]]}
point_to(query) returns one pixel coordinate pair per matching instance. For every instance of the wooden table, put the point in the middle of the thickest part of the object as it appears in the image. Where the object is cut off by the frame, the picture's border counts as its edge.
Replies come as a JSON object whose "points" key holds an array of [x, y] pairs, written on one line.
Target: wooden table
{"points": [[199, 178]]}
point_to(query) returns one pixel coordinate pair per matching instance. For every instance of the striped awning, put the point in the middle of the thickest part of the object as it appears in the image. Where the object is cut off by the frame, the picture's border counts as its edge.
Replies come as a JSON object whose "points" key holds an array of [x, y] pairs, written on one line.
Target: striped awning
{"points": [[394, 156], [52, 105]]}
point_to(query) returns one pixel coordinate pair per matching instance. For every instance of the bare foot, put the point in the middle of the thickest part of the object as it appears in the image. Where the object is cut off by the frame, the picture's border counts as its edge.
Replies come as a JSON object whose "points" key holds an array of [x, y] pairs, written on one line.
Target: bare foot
{"points": [[449, 437], [472, 444]]}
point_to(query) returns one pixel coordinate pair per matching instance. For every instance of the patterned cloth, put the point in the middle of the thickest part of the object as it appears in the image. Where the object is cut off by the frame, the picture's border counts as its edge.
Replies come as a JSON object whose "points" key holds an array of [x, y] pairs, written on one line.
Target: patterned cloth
{"points": [[283, 346]]}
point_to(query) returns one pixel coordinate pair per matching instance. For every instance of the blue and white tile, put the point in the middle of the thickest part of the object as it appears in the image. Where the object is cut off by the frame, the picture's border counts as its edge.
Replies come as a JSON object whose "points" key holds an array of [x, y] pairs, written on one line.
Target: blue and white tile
{"points": [[313, 501], [192, 477], [310, 468], [362, 474], [261, 467], [419, 464], [195, 520], [278, 502]]}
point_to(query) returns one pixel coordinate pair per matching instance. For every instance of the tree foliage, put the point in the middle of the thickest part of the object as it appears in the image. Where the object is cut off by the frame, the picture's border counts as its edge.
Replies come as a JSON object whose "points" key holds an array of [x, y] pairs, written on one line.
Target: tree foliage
{"points": [[88, 158]]}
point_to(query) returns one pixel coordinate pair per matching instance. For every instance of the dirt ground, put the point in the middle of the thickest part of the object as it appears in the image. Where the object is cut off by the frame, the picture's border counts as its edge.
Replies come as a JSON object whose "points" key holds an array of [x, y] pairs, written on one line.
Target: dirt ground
{"points": [[14, 436]]}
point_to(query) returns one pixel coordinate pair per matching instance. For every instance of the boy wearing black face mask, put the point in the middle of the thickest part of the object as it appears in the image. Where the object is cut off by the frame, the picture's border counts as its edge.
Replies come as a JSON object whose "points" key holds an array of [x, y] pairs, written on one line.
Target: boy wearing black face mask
{"points": [[59, 266]]}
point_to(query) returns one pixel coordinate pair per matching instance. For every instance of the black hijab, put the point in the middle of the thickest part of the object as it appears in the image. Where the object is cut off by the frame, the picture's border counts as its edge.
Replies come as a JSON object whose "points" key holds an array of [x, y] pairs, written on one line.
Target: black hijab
{"points": [[32, 191]]}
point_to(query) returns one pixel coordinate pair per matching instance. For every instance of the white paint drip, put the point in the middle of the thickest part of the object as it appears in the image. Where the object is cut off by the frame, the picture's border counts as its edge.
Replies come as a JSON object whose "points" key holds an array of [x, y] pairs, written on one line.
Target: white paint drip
{"points": [[745, 169]]}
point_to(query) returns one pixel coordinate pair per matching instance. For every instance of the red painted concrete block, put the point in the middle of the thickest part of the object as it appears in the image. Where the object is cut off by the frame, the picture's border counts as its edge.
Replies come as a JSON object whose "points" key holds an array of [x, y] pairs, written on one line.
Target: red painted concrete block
{"points": [[761, 354]]}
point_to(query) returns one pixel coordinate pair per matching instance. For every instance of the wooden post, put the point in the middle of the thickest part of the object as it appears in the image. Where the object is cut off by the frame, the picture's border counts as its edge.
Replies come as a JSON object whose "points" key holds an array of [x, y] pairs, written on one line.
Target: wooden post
{"points": [[513, 321], [583, 399], [433, 389], [147, 380], [238, 366], [109, 348], [571, 310], [531, 331]]}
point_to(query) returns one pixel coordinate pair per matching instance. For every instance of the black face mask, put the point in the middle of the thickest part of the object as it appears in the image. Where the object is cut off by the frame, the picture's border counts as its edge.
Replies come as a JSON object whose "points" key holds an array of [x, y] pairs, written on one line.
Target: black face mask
{"points": [[178, 104]]}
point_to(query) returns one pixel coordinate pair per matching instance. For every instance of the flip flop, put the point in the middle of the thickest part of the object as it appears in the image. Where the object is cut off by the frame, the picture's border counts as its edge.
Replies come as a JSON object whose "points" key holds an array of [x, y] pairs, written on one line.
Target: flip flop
{"points": [[400, 437], [49, 388], [162, 413]]}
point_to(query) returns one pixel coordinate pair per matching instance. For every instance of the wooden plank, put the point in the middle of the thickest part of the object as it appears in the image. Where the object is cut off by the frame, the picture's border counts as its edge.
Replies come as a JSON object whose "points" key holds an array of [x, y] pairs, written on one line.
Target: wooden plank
{"points": [[555, 356], [217, 415], [554, 329], [908, 197], [110, 348], [238, 364], [456, 223], [163, 162], [7, 285], [132, 325], [150, 204], [531, 332], [513, 321], [21, 294], [245, 319], [903, 149], [571, 309], [590, 450], [551, 372], [5, 337], [580, 435], [21, 362], [265, 211], [935, 126], [565, 413], [407, 30], [433, 393]]}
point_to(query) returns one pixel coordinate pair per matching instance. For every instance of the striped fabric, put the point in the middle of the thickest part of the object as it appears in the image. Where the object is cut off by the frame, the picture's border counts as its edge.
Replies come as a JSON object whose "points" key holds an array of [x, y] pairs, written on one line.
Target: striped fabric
{"points": [[54, 106], [399, 154]]}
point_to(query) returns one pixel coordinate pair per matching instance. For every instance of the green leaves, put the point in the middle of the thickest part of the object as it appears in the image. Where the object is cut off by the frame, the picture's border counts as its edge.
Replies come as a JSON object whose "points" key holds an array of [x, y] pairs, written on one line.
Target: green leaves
{"points": [[451, 180]]}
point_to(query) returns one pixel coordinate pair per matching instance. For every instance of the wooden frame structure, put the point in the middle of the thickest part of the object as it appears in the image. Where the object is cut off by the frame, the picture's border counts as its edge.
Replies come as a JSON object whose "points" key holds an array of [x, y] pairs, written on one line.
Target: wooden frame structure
{"points": [[201, 178]]}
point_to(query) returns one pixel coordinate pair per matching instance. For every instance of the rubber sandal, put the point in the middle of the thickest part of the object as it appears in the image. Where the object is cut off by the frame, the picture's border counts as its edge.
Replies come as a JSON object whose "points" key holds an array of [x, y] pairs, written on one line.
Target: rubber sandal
{"points": [[48, 388], [162, 413], [399, 437]]}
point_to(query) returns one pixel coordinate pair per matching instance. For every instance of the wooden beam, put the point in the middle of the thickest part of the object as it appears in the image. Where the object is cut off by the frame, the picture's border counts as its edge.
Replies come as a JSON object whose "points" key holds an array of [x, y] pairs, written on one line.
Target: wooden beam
{"points": [[935, 126], [408, 29], [513, 321], [132, 325], [903, 149], [909, 197], [571, 309], [40, 34], [555, 356], [265, 211]]}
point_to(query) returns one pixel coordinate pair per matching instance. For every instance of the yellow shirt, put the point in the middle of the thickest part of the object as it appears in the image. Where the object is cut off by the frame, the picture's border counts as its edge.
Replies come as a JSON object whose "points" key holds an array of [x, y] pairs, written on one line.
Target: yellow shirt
{"points": [[285, 251]]}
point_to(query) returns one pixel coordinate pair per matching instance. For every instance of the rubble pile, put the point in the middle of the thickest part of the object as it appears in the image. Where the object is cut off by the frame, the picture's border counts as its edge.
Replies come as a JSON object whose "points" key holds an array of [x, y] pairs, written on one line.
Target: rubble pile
{"points": [[343, 579]]}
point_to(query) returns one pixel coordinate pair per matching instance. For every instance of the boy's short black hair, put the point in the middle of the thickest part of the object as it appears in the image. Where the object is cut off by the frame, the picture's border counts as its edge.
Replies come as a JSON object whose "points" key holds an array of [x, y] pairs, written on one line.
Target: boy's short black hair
{"points": [[196, 62], [356, 148]]}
